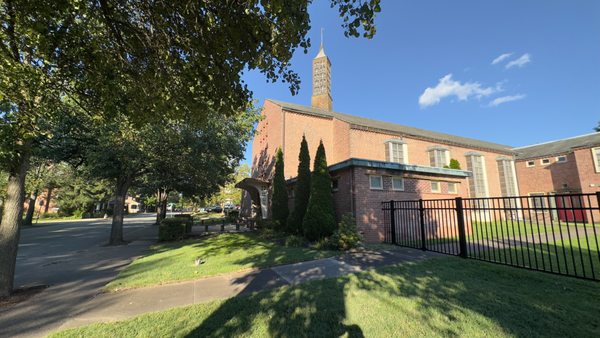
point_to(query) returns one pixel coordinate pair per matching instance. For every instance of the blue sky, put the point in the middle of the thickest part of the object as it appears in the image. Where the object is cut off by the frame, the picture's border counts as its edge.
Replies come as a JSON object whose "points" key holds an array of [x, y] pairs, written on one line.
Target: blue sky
{"points": [[431, 66]]}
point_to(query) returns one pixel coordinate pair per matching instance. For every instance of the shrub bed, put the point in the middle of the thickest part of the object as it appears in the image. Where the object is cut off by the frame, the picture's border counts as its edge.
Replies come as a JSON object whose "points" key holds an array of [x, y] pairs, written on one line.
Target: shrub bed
{"points": [[172, 229], [189, 221]]}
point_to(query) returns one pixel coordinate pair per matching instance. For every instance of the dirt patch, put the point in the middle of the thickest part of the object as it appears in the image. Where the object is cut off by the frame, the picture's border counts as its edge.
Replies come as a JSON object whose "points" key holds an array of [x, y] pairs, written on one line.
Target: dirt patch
{"points": [[21, 294]]}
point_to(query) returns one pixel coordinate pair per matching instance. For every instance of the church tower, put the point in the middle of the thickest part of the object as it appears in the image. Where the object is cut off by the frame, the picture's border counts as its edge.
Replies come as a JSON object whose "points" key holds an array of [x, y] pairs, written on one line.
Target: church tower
{"points": [[321, 73]]}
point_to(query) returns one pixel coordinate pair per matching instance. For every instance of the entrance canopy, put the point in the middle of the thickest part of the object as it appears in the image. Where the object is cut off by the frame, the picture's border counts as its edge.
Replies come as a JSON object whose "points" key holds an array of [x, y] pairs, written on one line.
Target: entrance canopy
{"points": [[258, 190]]}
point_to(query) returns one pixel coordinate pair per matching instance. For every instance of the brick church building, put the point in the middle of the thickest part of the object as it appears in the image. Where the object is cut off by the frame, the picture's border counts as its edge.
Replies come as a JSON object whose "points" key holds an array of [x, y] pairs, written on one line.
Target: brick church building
{"points": [[373, 161]]}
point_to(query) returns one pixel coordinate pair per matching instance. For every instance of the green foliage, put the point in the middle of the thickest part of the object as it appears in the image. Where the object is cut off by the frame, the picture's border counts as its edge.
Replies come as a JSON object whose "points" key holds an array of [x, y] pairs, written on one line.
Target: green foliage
{"points": [[233, 215], [228, 192], [78, 191], [279, 202], [172, 229], [454, 164], [319, 220], [295, 241], [301, 190], [597, 127], [346, 236], [189, 221]]}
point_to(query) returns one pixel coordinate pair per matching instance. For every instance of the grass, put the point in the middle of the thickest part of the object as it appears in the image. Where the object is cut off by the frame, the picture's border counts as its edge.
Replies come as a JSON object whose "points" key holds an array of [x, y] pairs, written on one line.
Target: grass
{"points": [[221, 253], [432, 298], [575, 257]]}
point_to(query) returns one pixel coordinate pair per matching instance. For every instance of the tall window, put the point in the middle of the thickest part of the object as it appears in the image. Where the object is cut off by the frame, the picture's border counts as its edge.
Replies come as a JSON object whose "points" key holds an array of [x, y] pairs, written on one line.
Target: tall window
{"points": [[439, 157], [478, 180], [508, 182], [596, 156], [396, 151]]}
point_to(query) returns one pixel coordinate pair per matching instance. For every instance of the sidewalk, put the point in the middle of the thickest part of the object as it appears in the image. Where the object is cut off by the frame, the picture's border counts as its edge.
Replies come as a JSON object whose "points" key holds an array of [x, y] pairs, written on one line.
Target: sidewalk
{"points": [[131, 303]]}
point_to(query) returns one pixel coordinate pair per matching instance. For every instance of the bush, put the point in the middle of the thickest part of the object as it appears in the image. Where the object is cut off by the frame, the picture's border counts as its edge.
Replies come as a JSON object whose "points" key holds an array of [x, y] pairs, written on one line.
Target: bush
{"points": [[279, 200], [295, 241], [346, 237], [301, 190], [233, 215], [172, 229], [268, 234], [323, 244], [189, 219], [454, 164], [319, 220]]}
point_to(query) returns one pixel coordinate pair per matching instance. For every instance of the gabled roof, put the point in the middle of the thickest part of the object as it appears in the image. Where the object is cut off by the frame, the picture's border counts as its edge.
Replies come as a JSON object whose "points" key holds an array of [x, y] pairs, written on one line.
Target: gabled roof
{"points": [[558, 147], [369, 124]]}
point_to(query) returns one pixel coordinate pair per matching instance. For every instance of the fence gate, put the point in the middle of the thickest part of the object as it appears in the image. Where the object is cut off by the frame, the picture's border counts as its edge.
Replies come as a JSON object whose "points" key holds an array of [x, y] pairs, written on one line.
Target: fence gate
{"points": [[552, 233]]}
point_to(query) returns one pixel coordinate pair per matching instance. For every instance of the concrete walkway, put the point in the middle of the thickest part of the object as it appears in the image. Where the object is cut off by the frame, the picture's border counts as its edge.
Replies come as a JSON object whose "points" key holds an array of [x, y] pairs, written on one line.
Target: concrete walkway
{"points": [[130, 303]]}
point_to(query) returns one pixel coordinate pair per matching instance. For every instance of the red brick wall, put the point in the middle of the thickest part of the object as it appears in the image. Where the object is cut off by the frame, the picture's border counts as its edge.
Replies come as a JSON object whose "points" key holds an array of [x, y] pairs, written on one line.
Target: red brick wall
{"points": [[268, 137], [548, 178], [315, 129], [368, 213], [587, 171], [370, 145]]}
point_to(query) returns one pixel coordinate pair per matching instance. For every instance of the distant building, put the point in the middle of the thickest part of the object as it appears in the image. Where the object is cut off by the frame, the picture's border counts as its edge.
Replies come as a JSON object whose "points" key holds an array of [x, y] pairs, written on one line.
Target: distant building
{"points": [[373, 161]]}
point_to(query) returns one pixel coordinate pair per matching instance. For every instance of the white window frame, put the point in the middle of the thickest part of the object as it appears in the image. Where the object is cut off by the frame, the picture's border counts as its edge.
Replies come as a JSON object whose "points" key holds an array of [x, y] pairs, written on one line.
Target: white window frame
{"points": [[530, 164], [596, 159], [371, 182], [561, 156], [455, 185], [486, 188], [404, 150], [446, 153], [439, 186], [543, 159], [401, 180]]}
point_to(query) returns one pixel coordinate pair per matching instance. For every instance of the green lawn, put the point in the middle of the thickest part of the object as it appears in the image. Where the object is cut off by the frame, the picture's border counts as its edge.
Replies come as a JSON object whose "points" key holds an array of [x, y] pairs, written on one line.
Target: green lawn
{"points": [[437, 297], [575, 257], [221, 254]]}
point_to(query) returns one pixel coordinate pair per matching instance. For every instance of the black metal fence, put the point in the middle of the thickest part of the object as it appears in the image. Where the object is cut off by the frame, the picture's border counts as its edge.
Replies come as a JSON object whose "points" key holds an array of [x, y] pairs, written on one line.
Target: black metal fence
{"points": [[551, 233]]}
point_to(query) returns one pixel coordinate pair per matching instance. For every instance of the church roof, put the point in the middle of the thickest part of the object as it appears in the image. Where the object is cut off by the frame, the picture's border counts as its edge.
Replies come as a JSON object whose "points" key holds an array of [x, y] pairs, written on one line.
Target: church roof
{"points": [[375, 125], [558, 147]]}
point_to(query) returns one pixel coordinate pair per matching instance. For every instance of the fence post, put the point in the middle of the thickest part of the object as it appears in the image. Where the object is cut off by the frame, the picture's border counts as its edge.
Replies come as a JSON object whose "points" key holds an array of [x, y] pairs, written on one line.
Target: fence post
{"points": [[223, 225], [205, 225], [462, 234], [393, 221], [422, 224], [598, 198]]}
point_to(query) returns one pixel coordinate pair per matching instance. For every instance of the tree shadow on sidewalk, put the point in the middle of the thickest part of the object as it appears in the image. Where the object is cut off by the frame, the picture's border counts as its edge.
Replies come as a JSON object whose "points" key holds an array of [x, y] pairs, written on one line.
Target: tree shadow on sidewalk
{"points": [[314, 310]]}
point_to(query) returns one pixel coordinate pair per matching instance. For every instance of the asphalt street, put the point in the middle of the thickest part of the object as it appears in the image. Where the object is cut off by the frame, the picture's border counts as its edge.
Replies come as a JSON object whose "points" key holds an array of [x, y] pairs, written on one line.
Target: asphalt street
{"points": [[74, 260]]}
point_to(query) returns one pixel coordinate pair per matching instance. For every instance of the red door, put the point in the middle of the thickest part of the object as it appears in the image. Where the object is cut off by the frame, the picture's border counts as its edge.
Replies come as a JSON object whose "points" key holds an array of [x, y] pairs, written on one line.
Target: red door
{"points": [[570, 208]]}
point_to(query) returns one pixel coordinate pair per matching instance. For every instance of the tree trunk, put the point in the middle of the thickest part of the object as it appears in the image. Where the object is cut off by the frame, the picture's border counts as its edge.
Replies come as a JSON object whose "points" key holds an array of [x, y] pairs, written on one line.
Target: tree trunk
{"points": [[163, 214], [116, 231], [161, 205], [48, 199], [10, 225], [31, 208]]}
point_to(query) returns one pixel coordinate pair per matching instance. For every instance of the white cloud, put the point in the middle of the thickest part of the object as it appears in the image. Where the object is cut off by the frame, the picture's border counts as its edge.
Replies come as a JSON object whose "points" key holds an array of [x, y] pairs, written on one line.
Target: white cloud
{"points": [[449, 87], [502, 58], [520, 62], [503, 99]]}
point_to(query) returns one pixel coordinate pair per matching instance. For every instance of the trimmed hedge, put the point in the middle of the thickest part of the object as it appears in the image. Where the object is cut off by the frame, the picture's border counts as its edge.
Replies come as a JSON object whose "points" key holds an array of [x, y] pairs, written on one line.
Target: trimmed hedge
{"points": [[189, 221], [172, 229]]}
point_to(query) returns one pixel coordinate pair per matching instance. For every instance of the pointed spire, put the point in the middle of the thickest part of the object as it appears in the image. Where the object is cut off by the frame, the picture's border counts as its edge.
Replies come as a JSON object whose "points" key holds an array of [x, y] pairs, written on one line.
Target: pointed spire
{"points": [[321, 50]]}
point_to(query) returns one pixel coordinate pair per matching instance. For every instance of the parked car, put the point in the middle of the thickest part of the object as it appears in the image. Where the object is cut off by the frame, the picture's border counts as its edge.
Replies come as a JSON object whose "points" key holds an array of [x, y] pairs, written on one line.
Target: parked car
{"points": [[214, 208], [228, 207]]}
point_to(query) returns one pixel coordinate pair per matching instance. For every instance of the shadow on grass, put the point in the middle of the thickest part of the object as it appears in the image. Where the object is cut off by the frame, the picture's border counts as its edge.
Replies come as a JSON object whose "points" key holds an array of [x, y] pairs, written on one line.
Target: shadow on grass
{"points": [[416, 299]]}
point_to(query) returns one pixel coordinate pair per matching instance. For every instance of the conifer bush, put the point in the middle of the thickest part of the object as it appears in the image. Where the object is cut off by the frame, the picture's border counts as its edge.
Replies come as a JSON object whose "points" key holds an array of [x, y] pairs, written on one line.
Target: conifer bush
{"points": [[301, 190], [279, 202], [319, 220]]}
